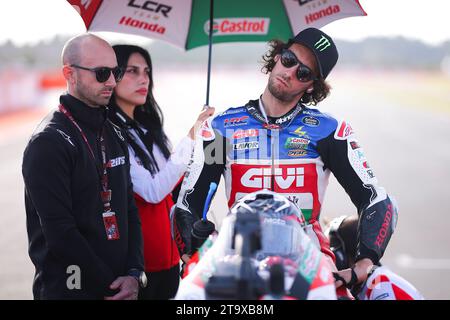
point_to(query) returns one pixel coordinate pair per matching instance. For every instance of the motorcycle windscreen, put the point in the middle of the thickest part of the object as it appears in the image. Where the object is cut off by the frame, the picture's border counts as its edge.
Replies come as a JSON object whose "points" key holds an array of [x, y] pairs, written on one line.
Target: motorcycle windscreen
{"points": [[280, 238]]}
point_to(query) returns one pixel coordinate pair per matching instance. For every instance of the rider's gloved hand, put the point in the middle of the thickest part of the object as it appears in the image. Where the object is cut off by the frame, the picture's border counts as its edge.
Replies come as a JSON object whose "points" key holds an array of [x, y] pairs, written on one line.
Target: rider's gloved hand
{"points": [[352, 276], [185, 220]]}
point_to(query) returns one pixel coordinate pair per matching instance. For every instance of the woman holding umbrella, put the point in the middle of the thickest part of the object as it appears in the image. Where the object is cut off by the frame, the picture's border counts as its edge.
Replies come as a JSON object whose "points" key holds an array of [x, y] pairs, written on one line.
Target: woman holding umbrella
{"points": [[154, 169]]}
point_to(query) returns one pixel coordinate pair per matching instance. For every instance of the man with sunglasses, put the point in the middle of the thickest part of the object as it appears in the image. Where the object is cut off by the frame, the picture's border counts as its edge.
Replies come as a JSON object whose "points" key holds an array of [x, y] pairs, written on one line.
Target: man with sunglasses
{"points": [[83, 228], [276, 142]]}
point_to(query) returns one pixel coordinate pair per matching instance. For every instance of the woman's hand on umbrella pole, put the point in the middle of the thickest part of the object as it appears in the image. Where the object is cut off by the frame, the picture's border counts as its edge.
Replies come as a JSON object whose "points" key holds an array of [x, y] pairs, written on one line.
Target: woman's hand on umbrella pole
{"points": [[205, 114]]}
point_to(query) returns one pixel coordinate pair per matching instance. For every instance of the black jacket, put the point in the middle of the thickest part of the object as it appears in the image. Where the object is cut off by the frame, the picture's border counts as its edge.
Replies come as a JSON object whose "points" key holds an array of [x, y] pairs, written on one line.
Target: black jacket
{"points": [[64, 208]]}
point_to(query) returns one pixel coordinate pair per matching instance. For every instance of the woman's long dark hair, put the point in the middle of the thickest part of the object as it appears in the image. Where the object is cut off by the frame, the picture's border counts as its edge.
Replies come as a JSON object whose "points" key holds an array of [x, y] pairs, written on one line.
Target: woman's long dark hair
{"points": [[148, 115]]}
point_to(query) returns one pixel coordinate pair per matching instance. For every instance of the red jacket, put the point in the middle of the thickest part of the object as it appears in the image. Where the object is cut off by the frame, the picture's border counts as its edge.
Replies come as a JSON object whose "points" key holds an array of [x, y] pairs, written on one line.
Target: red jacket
{"points": [[160, 249]]}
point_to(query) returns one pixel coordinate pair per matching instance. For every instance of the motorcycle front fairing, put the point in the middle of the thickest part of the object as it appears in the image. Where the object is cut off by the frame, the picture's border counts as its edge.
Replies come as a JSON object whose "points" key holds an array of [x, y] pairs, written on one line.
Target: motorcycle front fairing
{"points": [[310, 268]]}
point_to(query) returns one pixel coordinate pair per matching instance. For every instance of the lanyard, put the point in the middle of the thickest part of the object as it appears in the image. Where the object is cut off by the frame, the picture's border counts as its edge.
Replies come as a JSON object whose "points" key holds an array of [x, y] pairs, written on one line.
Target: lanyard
{"points": [[105, 193]]}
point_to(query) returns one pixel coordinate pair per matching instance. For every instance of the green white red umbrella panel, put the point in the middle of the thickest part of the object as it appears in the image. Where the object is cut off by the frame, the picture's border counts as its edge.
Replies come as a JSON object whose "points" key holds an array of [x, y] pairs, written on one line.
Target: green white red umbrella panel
{"points": [[185, 23]]}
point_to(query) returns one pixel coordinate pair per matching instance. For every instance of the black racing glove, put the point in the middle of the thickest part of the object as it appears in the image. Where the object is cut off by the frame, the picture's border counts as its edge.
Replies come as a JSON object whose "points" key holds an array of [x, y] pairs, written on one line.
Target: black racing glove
{"points": [[185, 220]]}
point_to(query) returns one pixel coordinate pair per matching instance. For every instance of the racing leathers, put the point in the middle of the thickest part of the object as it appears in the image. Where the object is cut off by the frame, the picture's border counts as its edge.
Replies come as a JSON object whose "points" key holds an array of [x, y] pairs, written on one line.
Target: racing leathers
{"points": [[292, 155]]}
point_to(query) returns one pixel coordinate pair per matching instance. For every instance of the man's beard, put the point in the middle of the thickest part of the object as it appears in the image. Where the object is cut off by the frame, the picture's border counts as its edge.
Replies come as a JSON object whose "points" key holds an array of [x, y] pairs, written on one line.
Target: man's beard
{"points": [[278, 92], [88, 96]]}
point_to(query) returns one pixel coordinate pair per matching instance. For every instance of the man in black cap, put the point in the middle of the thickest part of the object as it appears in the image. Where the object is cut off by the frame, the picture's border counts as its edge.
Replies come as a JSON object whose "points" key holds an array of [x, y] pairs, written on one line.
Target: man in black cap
{"points": [[276, 142]]}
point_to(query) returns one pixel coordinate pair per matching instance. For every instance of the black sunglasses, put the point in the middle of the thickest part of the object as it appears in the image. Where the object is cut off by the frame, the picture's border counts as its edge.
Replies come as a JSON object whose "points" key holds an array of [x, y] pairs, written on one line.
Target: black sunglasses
{"points": [[102, 74], [289, 59]]}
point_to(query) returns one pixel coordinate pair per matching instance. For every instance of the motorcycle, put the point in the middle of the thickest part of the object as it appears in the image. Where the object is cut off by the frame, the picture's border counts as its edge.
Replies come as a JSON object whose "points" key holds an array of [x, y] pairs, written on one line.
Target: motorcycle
{"points": [[261, 252]]}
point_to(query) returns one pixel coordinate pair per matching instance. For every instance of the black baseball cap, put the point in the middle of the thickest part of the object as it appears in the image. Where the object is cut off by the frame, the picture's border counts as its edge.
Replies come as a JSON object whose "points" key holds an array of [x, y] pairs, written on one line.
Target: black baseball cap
{"points": [[321, 45]]}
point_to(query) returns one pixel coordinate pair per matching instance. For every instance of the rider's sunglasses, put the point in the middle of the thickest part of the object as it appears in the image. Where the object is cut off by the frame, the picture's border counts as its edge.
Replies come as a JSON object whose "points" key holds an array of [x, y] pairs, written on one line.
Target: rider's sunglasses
{"points": [[289, 59], [102, 74]]}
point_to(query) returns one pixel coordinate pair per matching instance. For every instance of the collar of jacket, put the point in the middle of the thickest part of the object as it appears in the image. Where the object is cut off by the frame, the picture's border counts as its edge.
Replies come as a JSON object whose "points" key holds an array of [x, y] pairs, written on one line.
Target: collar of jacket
{"points": [[252, 108], [92, 118], [119, 117]]}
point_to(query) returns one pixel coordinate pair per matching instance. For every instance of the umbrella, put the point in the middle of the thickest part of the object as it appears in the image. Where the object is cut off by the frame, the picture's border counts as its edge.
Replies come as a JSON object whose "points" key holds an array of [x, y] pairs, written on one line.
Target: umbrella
{"points": [[192, 23]]}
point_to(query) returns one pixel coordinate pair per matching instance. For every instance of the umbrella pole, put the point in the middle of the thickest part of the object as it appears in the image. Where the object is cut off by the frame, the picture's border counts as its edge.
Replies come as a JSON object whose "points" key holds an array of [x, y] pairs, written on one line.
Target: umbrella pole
{"points": [[211, 16]]}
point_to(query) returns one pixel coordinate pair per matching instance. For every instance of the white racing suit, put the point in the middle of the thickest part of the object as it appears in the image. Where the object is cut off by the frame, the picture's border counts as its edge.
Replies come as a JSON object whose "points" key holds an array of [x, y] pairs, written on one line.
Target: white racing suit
{"points": [[292, 155]]}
